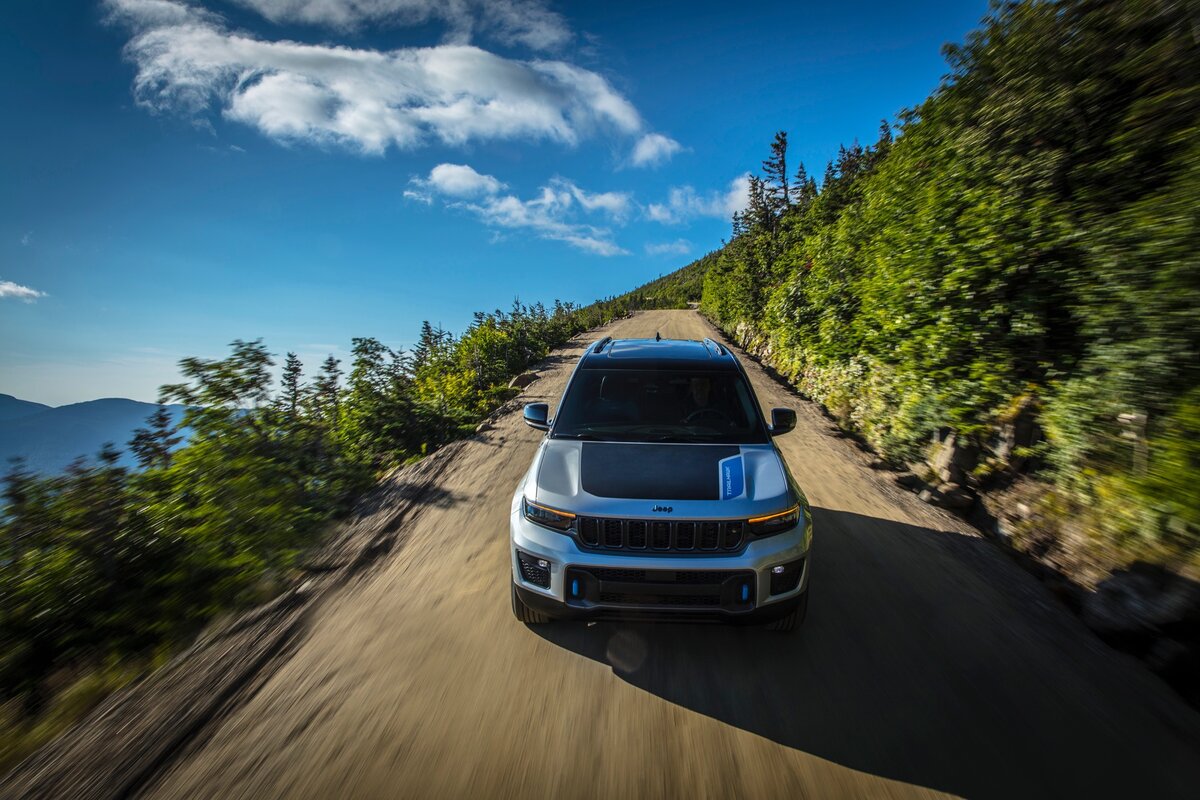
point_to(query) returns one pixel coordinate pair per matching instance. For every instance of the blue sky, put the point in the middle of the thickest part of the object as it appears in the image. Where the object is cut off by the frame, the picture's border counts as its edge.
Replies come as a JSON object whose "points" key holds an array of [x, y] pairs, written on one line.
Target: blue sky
{"points": [[180, 174]]}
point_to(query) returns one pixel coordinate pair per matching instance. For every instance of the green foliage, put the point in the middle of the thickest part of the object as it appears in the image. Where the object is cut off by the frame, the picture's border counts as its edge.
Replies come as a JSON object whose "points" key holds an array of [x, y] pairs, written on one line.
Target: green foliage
{"points": [[1030, 229], [101, 565]]}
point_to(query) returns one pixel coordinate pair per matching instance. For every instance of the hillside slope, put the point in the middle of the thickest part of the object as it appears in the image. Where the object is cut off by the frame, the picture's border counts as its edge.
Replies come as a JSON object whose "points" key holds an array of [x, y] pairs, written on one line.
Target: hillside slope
{"points": [[13, 408], [1008, 281], [49, 439]]}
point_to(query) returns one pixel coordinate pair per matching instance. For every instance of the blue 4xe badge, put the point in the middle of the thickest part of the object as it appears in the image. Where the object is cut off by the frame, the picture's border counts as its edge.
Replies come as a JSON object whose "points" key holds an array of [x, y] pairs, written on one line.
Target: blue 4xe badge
{"points": [[732, 477]]}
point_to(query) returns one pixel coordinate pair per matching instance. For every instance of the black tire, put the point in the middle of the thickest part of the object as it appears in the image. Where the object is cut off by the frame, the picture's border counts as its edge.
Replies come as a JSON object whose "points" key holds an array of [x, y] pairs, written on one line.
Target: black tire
{"points": [[523, 612], [793, 620]]}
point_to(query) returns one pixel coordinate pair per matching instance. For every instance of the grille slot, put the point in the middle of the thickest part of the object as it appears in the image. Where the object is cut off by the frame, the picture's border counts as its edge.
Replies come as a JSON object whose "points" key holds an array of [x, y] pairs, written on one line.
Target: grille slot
{"points": [[612, 532], [710, 535], [660, 535], [589, 531], [685, 535], [637, 534], [732, 538]]}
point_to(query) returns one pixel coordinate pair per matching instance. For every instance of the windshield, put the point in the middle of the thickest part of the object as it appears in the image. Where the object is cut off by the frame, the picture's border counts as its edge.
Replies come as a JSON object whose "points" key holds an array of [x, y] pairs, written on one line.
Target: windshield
{"points": [[659, 406]]}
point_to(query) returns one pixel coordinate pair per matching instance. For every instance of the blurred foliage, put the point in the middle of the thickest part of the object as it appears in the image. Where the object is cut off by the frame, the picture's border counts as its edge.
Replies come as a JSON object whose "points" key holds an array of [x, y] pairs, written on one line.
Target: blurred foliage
{"points": [[106, 566], [1030, 230]]}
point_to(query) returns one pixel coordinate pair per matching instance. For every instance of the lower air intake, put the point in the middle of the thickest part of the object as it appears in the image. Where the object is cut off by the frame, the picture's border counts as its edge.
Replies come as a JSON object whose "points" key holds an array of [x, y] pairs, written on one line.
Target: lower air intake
{"points": [[531, 572]]}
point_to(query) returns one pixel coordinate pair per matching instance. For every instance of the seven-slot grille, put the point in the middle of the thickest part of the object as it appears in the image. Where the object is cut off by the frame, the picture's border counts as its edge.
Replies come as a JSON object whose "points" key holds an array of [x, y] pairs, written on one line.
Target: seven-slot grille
{"points": [[659, 535]]}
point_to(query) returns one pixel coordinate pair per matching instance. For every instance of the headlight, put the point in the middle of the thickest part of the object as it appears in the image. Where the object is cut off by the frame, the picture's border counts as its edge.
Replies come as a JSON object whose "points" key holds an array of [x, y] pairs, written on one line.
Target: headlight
{"points": [[551, 518], [775, 523]]}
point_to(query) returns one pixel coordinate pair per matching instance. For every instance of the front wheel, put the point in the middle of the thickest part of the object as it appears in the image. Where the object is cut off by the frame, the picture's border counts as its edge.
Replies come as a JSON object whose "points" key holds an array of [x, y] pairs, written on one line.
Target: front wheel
{"points": [[523, 612], [793, 619]]}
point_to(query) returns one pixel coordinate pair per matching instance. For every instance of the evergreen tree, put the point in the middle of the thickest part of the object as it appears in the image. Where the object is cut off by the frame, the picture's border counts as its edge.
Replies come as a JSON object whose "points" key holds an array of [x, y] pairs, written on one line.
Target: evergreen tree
{"points": [[804, 189], [291, 391], [326, 395], [775, 182]]}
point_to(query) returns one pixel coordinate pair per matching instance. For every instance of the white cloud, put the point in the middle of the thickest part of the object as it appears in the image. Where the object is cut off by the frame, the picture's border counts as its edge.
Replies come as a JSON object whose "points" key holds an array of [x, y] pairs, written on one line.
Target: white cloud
{"points": [[524, 22], [683, 203], [615, 204], [553, 214], [143, 14], [19, 292], [27, 239], [679, 247], [188, 61], [549, 216], [654, 149], [455, 180]]}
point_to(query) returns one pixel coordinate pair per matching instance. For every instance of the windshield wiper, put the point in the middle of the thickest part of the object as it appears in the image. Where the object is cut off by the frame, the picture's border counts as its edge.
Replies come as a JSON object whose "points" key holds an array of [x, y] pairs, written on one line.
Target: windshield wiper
{"points": [[588, 437]]}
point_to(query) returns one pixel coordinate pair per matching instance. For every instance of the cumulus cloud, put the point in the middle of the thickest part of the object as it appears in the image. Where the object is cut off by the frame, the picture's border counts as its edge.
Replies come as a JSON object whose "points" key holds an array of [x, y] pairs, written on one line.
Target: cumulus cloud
{"points": [[453, 180], [654, 149], [187, 60], [19, 292], [679, 247], [553, 214], [524, 22], [684, 203]]}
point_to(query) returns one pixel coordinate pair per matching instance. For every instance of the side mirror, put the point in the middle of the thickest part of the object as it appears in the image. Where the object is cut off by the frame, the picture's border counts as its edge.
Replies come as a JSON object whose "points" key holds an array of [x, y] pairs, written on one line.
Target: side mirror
{"points": [[782, 421], [536, 416]]}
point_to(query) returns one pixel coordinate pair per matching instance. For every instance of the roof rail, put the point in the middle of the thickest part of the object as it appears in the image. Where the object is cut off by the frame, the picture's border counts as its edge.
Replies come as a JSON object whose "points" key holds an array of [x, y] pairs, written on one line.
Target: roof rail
{"points": [[721, 351], [596, 348]]}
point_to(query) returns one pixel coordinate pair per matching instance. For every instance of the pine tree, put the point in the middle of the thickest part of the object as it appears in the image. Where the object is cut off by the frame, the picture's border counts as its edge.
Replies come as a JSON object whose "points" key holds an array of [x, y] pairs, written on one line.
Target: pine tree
{"points": [[884, 144], [804, 189], [759, 212], [778, 193], [326, 392], [291, 391], [426, 346]]}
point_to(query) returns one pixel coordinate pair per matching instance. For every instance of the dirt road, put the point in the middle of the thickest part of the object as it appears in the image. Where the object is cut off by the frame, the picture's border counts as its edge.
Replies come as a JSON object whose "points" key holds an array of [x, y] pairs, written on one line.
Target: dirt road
{"points": [[929, 663]]}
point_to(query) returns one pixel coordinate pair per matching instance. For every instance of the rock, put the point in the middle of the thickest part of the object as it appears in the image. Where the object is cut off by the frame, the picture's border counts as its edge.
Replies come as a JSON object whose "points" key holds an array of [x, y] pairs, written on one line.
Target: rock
{"points": [[1168, 654], [483, 426], [948, 495], [522, 380], [910, 481], [1022, 430], [1142, 602], [877, 463], [955, 497], [954, 460]]}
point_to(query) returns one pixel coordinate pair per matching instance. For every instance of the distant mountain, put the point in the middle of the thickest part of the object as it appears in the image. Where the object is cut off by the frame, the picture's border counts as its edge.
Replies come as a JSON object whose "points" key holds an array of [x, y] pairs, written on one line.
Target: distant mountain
{"points": [[49, 439], [11, 407]]}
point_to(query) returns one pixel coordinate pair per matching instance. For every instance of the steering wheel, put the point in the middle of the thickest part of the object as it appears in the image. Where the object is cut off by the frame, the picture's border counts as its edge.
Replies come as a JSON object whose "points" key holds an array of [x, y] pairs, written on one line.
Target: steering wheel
{"points": [[710, 411]]}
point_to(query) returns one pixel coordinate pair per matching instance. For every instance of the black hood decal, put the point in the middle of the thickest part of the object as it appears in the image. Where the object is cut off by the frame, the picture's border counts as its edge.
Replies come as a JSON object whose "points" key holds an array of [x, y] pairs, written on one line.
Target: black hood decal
{"points": [[652, 471]]}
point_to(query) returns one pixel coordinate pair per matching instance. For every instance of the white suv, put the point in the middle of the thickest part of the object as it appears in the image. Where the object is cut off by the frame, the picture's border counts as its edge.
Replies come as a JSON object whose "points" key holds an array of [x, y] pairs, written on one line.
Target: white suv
{"points": [[657, 492]]}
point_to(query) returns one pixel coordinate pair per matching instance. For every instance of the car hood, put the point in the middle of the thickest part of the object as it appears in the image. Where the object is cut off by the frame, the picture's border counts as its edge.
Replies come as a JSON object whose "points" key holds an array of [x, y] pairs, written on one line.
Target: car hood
{"points": [[648, 479]]}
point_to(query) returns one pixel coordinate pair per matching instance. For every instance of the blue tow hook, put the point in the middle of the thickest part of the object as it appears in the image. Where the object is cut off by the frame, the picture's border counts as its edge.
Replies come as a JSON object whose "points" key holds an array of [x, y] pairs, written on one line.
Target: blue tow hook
{"points": [[745, 592], [575, 587]]}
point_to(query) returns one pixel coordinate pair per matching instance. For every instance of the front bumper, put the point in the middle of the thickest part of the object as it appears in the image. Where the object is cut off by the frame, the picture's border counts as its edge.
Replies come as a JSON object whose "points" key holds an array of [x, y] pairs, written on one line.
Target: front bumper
{"points": [[590, 584]]}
